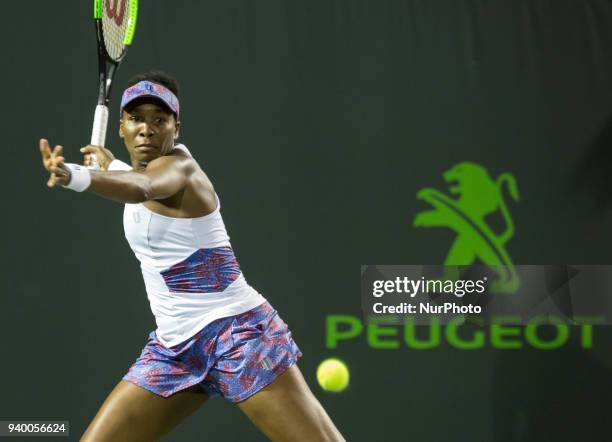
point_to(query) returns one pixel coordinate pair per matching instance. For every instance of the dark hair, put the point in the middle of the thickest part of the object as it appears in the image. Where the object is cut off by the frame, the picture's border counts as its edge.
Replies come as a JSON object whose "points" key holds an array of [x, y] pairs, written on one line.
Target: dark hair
{"points": [[158, 77]]}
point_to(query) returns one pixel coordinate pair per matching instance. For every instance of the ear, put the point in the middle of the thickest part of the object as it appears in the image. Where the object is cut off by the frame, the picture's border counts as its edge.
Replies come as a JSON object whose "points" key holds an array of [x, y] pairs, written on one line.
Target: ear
{"points": [[177, 129], [121, 135]]}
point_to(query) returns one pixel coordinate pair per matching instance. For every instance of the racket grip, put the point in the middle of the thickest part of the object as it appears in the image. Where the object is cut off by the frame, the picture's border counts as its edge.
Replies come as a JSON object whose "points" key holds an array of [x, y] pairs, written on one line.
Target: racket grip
{"points": [[98, 133]]}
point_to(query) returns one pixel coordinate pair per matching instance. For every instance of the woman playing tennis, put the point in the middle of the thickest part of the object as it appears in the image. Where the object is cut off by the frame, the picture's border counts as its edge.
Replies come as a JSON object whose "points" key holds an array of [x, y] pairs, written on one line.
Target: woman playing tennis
{"points": [[215, 334]]}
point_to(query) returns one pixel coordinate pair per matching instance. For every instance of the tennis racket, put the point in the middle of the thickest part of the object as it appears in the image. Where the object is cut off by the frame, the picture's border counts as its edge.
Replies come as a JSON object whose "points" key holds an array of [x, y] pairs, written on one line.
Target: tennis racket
{"points": [[115, 25]]}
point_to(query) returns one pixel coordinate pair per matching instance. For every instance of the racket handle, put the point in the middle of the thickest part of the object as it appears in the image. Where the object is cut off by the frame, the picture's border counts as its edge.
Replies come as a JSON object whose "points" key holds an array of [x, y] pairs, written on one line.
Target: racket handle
{"points": [[98, 133]]}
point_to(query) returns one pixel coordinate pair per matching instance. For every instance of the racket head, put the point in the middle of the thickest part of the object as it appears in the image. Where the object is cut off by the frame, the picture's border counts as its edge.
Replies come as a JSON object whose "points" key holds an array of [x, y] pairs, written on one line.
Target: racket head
{"points": [[116, 20]]}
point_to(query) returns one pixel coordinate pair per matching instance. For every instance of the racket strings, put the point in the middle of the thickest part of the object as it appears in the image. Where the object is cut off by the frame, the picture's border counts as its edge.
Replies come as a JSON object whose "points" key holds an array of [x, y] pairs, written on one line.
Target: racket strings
{"points": [[115, 21]]}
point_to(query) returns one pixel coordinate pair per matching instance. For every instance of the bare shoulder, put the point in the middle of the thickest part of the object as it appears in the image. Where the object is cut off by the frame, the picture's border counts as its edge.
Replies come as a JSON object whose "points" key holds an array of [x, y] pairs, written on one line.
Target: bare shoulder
{"points": [[186, 160], [200, 186], [200, 191], [177, 160], [197, 197]]}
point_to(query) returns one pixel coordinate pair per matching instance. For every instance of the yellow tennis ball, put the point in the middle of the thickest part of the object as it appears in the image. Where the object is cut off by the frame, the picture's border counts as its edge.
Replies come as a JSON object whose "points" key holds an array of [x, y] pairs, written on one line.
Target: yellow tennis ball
{"points": [[333, 375]]}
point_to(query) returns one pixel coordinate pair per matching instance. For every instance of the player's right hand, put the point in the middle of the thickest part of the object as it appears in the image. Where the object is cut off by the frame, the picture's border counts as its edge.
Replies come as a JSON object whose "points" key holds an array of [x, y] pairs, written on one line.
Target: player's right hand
{"points": [[103, 155]]}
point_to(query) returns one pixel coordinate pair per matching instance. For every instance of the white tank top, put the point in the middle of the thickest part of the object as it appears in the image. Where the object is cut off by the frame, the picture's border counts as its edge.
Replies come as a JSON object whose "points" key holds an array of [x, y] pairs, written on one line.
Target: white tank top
{"points": [[189, 269]]}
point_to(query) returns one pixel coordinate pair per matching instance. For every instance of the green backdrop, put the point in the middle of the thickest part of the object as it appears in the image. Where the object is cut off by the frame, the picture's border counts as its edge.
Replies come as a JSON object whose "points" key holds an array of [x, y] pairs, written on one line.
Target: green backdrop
{"points": [[317, 121]]}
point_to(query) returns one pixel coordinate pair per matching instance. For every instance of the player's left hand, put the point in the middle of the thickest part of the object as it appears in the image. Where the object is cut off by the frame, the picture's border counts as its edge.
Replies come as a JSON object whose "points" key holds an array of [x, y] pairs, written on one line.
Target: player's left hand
{"points": [[53, 161]]}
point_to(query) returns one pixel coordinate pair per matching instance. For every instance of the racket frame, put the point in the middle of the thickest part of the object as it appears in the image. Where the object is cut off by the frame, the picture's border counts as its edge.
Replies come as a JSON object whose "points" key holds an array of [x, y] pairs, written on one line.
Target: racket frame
{"points": [[107, 68]]}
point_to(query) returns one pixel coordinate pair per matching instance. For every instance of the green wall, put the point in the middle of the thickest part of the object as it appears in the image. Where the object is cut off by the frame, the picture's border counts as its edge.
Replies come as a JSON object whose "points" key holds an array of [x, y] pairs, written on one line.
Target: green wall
{"points": [[317, 121]]}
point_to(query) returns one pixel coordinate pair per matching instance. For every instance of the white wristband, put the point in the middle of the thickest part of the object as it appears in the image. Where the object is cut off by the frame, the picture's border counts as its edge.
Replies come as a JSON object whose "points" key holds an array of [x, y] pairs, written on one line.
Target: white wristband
{"points": [[80, 178], [118, 165]]}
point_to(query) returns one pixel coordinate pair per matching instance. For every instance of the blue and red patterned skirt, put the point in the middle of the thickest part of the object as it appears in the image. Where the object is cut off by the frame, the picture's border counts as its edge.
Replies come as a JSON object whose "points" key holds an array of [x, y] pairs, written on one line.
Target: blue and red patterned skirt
{"points": [[234, 357]]}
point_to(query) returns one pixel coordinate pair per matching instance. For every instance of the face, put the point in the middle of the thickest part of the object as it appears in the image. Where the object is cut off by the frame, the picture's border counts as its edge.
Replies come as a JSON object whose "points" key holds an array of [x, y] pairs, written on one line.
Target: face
{"points": [[148, 129]]}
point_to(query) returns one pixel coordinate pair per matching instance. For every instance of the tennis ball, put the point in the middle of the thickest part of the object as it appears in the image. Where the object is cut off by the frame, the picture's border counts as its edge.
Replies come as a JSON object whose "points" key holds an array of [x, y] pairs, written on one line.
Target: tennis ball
{"points": [[333, 375]]}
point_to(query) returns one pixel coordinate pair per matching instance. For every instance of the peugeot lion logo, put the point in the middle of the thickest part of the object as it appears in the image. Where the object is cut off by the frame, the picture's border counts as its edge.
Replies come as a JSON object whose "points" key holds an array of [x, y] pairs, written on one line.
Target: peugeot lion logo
{"points": [[477, 196]]}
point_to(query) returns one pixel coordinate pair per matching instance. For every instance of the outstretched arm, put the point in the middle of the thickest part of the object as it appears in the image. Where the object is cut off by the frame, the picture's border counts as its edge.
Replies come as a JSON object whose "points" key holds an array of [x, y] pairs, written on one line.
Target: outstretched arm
{"points": [[162, 178]]}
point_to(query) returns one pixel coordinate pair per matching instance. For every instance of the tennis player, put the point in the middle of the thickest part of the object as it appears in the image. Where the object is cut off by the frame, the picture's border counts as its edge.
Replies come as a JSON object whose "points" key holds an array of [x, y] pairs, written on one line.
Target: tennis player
{"points": [[215, 335]]}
